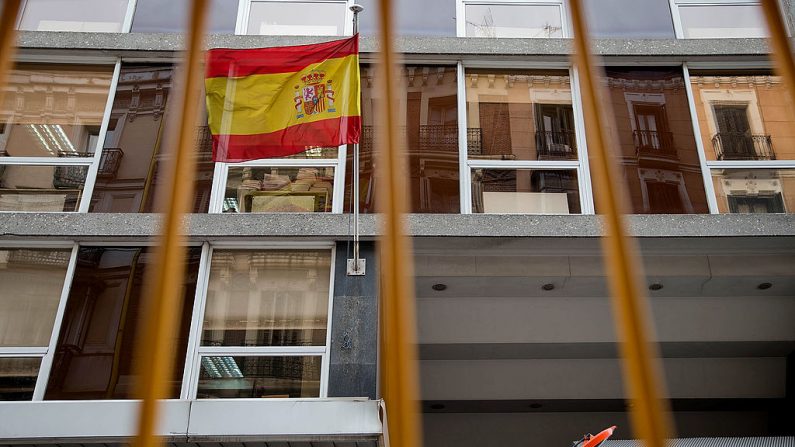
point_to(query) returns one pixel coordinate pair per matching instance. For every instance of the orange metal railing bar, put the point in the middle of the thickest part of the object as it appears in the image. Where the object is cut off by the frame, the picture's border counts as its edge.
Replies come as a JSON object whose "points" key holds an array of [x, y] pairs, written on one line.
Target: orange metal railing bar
{"points": [[8, 23], [642, 376], [398, 321], [781, 46], [165, 279]]}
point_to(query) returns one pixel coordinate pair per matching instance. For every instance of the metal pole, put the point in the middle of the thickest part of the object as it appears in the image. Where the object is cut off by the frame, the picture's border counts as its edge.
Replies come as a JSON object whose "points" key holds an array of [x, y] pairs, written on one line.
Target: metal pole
{"points": [[154, 347], [356, 268], [642, 376]]}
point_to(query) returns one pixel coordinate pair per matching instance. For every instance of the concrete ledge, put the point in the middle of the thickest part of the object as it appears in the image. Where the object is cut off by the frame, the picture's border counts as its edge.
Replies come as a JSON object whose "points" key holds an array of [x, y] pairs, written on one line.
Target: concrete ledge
{"points": [[128, 44], [210, 227]]}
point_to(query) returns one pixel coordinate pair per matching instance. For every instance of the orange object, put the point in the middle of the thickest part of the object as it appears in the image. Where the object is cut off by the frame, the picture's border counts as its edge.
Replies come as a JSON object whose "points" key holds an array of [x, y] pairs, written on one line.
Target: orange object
{"points": [[597, 439]]}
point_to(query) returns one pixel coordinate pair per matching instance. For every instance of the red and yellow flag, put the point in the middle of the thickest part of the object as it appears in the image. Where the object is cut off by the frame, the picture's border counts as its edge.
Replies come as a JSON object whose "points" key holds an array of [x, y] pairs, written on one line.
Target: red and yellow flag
{"points": [[272, 102]]}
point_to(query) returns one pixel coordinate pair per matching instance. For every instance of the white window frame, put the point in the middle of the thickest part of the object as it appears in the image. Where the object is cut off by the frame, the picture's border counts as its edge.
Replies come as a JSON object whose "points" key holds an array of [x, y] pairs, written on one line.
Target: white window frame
{"points": [[126, 24], [91, 162], [580, 166], [708, 165], [461, 23], [338, 191], [244, 10], [195, 352], [47, 353], [676, 4]]}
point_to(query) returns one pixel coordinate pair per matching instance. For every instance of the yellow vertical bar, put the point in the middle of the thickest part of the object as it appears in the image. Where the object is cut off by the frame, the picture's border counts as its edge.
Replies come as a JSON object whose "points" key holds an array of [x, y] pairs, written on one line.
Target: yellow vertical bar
{"points": [[399, 355], [781, 46], [8, 47], [165, 278], [642, 376]]}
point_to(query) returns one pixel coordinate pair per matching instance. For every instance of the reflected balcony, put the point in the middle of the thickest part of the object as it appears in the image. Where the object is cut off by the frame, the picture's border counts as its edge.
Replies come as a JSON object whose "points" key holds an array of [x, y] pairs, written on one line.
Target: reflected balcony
{"points": [[109, 162], [556, 144], [657, 144], [743, 146]]}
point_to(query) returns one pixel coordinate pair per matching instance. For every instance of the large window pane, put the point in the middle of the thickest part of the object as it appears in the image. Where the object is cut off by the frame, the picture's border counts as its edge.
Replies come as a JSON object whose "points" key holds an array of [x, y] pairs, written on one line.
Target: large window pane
{"points": [[513, 21], [241, 377], [412, 18], [32, 280], [743, 115], [267, 298], [279, 189], [297, 18], [18, 378], [74, 15], [53, 110], [656, 146], [627, 19], [169, 16], [702, 22], [755, 190], [41, 188], [525, 191], [95, 355], [133, 155], [520, 115], [428, 120]]}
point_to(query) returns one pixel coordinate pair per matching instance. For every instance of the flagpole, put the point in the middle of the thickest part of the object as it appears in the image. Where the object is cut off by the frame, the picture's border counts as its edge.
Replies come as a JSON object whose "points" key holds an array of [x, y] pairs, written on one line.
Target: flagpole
{"points": [[354, 267]]}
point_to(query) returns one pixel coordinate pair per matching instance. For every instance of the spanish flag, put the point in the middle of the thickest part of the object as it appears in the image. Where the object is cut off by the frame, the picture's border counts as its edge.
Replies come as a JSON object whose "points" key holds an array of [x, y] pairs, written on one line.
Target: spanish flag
{"points": [[272, 102]]}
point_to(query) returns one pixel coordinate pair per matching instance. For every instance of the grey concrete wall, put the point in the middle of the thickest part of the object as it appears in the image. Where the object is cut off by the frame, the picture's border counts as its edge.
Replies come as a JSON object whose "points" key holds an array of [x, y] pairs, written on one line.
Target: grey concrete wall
{"points": [[353, 365]]}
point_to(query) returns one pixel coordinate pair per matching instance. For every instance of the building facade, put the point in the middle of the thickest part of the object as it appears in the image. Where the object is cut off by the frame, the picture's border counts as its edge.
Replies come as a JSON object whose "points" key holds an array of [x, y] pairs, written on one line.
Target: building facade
{"points": [[277, 344]]}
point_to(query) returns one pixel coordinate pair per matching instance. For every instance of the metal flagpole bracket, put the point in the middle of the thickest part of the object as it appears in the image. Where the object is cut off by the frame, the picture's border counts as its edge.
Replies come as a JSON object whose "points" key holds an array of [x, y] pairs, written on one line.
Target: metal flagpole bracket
{"points": [[356, 266]]}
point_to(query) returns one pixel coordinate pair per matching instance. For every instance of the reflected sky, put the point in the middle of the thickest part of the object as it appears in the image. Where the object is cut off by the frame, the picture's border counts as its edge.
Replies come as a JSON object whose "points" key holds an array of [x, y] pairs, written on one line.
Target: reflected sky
{"points": [[649, 19], [170, 16], [414, 17]]}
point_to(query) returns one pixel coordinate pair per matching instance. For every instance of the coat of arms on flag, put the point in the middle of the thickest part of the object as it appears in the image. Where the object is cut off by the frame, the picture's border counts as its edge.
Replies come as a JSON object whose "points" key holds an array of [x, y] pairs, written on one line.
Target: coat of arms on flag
{"points": [[273, 102]]}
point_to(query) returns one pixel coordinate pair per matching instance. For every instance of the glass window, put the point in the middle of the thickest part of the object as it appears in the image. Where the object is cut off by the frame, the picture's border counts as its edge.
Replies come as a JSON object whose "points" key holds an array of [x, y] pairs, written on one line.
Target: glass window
{"points": [[169, 16], [105, 16], [721, 21], [743, 115], [655, 146], [273, 377], [319, 18], [755, 190], [525, 191], [429, 122], [41, 188], [53, 110], [267, 298], [279, 189], [128, 177], [18, 378], [412, 18], [32, 280], [647, 19], [520, 115], [94, 358], [506, 20]]}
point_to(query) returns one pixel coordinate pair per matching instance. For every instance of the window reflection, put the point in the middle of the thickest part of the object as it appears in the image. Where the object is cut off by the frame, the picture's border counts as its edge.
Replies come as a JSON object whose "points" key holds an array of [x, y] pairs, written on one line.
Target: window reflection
{"points": [[324, 18], [525, 191], [273, 377], [520, 115], [31, 281], [755, 190], [169, 16], [656, 145], [648, 19], [279, 189], [412, 18], [94, 358], [429, 129], [41, 188], [133, 153], [104, 16], [53, 110], [722, 21], [496, 20], [18, 378]]}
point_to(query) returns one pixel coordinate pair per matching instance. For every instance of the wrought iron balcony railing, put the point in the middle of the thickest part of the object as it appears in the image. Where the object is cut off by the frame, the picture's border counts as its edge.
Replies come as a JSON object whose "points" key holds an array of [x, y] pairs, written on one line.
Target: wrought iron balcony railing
{"points": [[743, 146], [109, 162], [556, 144], [654, 143], [432, 138]]}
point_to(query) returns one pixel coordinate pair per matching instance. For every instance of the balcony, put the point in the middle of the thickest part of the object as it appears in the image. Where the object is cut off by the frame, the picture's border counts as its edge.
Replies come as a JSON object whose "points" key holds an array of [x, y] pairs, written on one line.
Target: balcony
{"points": [[109, 162], [743, 146], [560, 144], [650, 143], [432, 138]]}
